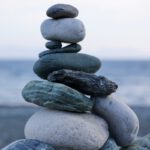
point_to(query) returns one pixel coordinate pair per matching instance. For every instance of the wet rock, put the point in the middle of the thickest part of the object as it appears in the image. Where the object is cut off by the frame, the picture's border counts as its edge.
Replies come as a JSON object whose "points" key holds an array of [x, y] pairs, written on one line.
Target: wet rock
{"points": [[68, 131], [53, 45], [56, 96], [64, 30], [73, 48], [73, 61], [28, 144], [86, 83], [62, 11], [123, 122]]}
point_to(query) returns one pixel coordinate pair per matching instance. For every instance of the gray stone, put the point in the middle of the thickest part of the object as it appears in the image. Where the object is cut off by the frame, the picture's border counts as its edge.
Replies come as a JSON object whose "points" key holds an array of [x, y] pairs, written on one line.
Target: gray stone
{"points": [[68, 131], [28, 144], [56, 96], [140, 144], [123, 122], [62, 11], [73, 48], [72, 61], [53, 45], [65, 30], [110, 145], [86, 83]]}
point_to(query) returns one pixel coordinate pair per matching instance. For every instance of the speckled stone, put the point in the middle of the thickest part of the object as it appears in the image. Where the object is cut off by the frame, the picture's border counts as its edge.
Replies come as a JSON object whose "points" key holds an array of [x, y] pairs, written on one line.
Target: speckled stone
{"points": [[123, 122], [62, 11], [56, 96], [68, 131], [28, 144], [65, 30], [72, 61]]}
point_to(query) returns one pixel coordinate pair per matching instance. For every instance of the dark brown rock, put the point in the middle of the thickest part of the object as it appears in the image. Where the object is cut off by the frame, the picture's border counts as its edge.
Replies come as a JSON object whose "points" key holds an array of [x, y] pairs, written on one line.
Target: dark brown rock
{"points": [[86, 83]]}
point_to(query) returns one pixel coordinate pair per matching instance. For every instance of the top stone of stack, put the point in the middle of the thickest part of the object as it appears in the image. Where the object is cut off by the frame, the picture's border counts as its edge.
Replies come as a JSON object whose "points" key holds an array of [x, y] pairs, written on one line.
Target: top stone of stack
{"points": [[63, 26], [62, 11]]}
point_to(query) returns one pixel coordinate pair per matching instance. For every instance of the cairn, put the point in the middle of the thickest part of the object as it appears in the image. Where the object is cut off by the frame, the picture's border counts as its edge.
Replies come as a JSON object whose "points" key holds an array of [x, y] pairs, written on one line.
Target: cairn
{"points": [[79, 113]]}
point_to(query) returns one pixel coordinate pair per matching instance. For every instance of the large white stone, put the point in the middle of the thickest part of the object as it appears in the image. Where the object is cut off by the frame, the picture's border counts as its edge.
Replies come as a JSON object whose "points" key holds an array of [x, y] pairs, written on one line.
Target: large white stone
{"points": [[66, 30], [67, 131], [123, 122]]}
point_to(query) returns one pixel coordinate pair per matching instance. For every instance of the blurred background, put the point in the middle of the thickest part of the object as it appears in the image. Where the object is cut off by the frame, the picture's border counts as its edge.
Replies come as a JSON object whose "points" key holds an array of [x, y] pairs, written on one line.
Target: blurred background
{"points": [[118, 33]]}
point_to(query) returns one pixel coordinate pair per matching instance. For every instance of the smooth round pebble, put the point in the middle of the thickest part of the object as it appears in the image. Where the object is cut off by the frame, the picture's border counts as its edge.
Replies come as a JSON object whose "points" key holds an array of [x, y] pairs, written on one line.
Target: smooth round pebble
{"points": [[28, 144], [72, 61], [56, 96], [65, 30], [123, 122], [67, 131], [62, 11], [53, 45]]}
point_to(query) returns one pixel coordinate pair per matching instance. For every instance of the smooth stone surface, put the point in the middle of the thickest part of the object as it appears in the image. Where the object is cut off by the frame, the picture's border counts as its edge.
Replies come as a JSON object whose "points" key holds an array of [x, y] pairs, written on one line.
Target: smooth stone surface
{"points": [[110, 145], [72, 61], [53, 45], [72, 48], [123, 122], [140, 144], [62, 11], [56, 96], [86, 83], [68, 131], [64, 30], [28, 144]]}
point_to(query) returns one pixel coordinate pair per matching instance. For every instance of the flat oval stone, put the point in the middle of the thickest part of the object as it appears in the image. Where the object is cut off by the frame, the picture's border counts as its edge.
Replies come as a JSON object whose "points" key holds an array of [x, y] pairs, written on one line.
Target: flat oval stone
{"points": [[67, 131], [142, 143], [65, 30], [62, 11], [123, 122], [72, 61], [53, 45], [86, 83], [28, 144], [56, 96], [72, 48]]}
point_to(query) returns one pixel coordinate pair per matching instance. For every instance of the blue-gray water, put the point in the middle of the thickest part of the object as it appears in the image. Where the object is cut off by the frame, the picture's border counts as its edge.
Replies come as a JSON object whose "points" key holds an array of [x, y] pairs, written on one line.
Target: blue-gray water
{"points": [[133, 78]]}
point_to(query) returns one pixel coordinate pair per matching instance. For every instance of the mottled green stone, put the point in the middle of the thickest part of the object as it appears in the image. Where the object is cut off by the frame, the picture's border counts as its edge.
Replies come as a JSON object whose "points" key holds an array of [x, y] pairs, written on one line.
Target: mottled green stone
{"points": [[72, 61], [56, 96]]}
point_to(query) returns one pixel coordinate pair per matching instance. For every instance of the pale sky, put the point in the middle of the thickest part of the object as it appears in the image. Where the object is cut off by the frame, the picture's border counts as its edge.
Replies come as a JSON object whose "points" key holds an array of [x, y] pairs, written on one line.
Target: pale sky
{"points": [[114, 28]]}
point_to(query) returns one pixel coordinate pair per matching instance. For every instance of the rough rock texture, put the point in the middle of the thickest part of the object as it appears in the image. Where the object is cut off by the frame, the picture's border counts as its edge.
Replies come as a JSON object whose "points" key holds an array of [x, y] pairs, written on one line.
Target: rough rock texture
{"points": [[110, 145], [72, 61], [86, 83], [140, 144], [28, 144], [53, 45], [73, 48], [56, 96], [64, 30], [123, 122], [62, 11], [68, 131]]}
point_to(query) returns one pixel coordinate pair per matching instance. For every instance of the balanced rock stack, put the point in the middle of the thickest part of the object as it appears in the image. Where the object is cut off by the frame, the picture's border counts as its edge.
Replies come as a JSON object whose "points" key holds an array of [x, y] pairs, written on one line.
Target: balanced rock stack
{"points": [[79, 114]]}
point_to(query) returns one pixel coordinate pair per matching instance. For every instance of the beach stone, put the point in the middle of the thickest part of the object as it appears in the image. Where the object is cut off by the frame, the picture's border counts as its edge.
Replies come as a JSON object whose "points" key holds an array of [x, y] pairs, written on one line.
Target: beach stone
{"points": [[53, 45], [28, 144], [65, 30], [72, 61], [86, 83], [142, 143], [62, 11], [110, 145], [123, 122], [56, 96], [67, 131], [73, 48]]}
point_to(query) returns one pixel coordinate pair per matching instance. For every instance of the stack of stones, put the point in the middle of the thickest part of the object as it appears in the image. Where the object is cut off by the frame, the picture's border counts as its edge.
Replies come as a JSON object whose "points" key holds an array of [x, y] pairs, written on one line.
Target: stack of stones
{"points": [[79, 112]]}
